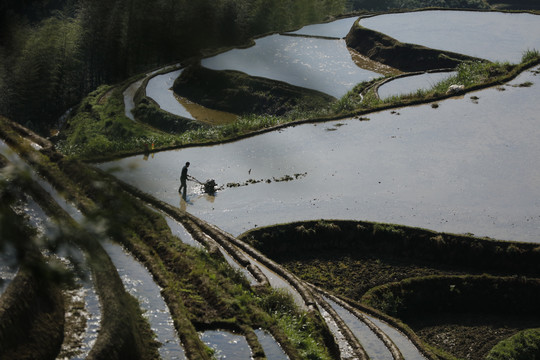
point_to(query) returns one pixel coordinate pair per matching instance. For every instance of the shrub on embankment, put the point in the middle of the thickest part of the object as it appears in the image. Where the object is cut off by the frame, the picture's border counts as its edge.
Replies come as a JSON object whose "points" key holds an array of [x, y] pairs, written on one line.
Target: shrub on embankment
{"points": [[405, 242], [31, 318], [525, 345]]}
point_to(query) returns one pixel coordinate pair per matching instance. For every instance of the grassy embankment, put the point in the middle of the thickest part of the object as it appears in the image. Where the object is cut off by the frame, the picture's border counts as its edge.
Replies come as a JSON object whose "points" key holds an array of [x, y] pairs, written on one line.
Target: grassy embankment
{"points": [[436, 286], [201, 289]]}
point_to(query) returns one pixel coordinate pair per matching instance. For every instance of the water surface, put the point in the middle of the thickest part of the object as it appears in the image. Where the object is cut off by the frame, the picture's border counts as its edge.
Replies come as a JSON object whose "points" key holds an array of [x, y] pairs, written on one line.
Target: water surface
{"points": [[494, 36], [272, 349], [318, 64], [227, 345]]}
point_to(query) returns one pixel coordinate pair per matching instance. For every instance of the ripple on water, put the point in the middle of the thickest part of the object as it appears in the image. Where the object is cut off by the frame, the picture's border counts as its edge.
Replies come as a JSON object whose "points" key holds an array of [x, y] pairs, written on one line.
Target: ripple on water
{"points": [[272, 349], [227, 345]]}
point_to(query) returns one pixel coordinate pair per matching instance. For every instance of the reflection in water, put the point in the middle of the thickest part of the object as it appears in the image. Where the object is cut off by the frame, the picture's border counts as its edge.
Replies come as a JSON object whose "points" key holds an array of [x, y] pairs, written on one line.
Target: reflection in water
{"points": [[410, 84], [319, 64], [206, 115], [227, 345], [272, 349], [494, 36], [433, 168]]}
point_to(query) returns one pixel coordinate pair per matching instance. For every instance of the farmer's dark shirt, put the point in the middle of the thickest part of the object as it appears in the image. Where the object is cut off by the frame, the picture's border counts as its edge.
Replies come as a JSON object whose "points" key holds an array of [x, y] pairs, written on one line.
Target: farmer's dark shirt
{"points": [[184, 173]]}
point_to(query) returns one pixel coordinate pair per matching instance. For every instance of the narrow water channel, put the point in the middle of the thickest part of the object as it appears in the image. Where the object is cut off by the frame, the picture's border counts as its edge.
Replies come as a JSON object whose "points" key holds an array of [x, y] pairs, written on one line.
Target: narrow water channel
{"points": [[374, 346], [407, 348], [226, 345], [271, 348], [139, 283]]}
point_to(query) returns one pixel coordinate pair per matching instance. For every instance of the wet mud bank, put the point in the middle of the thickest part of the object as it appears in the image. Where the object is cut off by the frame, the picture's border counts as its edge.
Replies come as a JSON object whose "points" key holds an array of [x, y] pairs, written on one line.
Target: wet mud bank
{"points": [[239, 93], [405, 57]]}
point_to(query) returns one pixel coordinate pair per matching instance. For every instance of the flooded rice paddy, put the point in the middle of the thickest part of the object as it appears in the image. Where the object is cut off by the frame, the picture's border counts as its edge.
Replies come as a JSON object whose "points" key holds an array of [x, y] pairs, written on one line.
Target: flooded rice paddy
{"points": [[313, 63], [468, 166], [494, 36]]}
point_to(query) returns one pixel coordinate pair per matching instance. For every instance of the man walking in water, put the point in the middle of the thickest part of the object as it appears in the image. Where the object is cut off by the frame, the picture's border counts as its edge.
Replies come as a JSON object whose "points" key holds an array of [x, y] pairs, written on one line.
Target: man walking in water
{"points": [[183, 177]]}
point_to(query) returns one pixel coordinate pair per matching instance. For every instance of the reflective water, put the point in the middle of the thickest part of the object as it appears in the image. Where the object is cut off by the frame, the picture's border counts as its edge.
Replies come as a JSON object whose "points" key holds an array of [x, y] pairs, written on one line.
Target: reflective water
{"points": [[373, 346], [336, 29], [227, 345], [93, 317], [8, 268], [319, 64], [494, 36], [272, 349], [410, 84], [139, 282], [466, 166]]}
